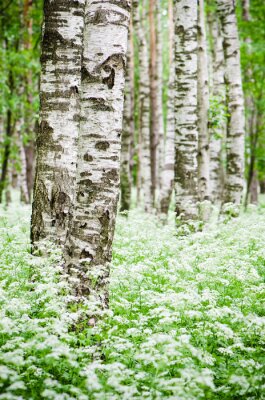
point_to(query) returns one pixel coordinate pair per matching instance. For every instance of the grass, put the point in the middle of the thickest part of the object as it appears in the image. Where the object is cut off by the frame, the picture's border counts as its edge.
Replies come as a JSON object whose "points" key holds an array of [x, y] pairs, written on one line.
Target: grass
{"points": [[186, 318]]}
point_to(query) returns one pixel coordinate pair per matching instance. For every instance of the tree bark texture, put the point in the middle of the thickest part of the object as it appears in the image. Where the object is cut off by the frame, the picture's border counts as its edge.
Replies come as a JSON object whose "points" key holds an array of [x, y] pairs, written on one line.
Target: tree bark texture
{"points": [[154, 121], [234, 178], [186, 121], [144, 111], [59, 119], [167, 178], [89, 243], [217, 133], [127, 131], [159, 71], [203, 108]]}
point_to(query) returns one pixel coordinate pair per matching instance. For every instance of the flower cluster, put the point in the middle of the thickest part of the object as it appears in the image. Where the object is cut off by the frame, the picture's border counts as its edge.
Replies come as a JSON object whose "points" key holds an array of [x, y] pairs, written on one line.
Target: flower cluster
{"points": [[186, 318]]}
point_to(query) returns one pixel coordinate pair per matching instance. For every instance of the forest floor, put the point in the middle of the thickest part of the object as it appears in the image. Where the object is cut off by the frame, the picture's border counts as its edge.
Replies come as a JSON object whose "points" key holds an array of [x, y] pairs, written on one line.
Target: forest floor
{"points": [[186, 318]]}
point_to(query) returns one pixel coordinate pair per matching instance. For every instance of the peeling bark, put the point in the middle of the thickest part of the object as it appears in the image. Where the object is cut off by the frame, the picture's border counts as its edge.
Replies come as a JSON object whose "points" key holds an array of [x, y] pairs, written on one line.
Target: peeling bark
{"points": [[186, 121], [234, 178], [89, 243], [59, 119]]}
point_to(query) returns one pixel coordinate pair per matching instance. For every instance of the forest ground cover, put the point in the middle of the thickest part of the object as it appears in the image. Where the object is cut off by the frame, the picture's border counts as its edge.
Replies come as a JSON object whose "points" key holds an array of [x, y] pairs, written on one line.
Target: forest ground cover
{"points": [[186, 317]]}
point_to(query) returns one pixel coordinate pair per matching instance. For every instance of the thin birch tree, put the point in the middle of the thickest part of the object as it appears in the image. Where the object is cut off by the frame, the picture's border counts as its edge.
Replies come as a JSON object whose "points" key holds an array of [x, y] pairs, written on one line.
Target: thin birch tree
{"points": [[217, 131], [203, 108], [234, 177], [167, 177], [186, 120], [128, 127]]}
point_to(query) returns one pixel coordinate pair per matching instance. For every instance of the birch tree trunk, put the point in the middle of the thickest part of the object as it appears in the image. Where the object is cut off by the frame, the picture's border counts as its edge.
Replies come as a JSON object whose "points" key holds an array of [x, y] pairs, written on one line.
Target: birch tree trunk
{"points": [[144, 153], [59, 119], [203, 108], [186, 121], [159, 71], [167, 178], [89, 243], [154, 121], [218, 133], [127, 131], [234, 178]]}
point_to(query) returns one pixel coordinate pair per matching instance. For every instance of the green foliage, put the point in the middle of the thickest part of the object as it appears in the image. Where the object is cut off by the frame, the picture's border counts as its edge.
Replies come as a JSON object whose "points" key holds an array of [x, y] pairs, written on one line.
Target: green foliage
{"points": [[186, 318], [217, 116]]}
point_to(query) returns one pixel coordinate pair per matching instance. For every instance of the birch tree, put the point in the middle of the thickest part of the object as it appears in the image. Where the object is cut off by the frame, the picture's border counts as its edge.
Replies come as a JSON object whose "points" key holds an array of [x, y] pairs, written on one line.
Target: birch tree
{"points": [[128, 127], [167, 178], [203, 108], [144, 154], [154, 121], [234, 178], [217, 132], [186, 121], [59, 119], [159, 72], [89, 243]]}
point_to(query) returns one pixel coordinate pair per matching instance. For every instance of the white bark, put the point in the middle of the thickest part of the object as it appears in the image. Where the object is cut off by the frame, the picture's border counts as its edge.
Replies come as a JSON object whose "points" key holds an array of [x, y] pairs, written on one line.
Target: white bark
{"points": [[167, 178], [144, 110], [234, 179], [159, 68], [218, 133], [89, 244], [59, 119], [186, 121], [203, 108]]}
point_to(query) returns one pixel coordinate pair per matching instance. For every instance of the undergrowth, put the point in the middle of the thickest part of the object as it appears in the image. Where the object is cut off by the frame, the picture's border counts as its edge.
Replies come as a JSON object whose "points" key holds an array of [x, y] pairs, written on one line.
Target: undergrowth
{"points": [[186, 318]]}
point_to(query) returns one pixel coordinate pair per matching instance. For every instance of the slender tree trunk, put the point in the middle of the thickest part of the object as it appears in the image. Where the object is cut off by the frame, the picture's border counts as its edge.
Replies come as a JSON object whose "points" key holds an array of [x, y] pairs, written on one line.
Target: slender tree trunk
{"points": [[5, 159], [262, 186], [30, 124], [251, 123], [89, 243], [154, 122], [217, 133], [186, 121], [59, 119], [234, 178], [127, 132], [144, 153], [160, 121], [203, 108], [167, 180], [24, 194]]}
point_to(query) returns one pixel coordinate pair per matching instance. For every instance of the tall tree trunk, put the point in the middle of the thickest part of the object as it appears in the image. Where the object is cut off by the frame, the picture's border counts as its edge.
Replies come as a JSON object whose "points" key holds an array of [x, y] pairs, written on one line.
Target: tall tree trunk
{"points": [[186, 122], [127, 131], [159, 71], [5, 159], [203, 108], [234, 178], [167, 179], [154, 123], [144, 111], [29, 147], [59, 119], [251, 123], [217, 133], [89, 243], [24, 194]]}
